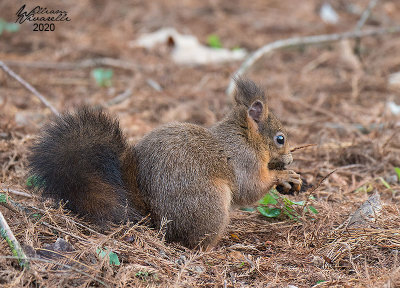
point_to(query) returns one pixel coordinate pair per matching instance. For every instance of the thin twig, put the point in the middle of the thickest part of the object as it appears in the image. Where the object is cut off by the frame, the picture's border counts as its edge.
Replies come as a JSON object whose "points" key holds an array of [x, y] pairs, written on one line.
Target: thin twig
{"points": [[62, 255], [8, 235], [70, 220], [119, 98], [365, 15], [302, 147], [313, 189], [297, 41], [28, 86], [361, 22], [64, 232], [154, 84]]}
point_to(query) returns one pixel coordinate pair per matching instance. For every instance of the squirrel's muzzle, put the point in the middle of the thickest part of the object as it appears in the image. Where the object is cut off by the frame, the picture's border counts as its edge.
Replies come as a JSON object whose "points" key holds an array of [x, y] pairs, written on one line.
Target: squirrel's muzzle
{"points": [[287, 158], [281, 162]]}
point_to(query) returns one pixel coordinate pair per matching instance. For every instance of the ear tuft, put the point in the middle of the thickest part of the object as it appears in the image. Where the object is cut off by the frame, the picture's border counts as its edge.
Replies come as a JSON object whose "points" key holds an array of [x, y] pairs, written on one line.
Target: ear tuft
{"points": [[247, 92], [256, 111]]}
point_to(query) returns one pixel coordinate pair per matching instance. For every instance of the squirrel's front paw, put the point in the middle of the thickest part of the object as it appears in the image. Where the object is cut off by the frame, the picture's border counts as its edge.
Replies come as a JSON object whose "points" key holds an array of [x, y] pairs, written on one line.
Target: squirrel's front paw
{"points": [[288, 182]]}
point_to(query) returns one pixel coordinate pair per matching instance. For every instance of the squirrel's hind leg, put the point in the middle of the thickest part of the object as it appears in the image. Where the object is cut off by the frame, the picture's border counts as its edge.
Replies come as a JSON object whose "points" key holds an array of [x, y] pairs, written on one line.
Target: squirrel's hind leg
{"points": [[203, 220]]}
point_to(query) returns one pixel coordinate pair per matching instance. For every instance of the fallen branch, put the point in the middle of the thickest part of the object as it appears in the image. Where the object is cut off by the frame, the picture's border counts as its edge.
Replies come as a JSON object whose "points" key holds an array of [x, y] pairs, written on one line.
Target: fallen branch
{"points": [[8, 235], [16, 192], [28, 86], [297, 41], [365, 15], [87, 63]]}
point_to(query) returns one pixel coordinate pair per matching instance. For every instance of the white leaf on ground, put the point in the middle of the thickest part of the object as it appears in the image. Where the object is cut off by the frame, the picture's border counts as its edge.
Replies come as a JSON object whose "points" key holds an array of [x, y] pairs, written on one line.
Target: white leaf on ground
{"points": [[328, 14], [394, 79], [393, 107], [187, 48], [149, 40]]}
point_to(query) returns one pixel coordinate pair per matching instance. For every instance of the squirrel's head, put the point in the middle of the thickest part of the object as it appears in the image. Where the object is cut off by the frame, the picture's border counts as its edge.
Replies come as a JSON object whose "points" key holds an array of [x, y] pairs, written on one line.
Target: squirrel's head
{"points": [[265, 131]]}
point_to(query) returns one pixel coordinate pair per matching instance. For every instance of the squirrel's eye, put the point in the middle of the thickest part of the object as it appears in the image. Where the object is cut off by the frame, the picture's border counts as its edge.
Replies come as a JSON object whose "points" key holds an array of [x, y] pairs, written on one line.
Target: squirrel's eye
{"points": [[279, 139]]}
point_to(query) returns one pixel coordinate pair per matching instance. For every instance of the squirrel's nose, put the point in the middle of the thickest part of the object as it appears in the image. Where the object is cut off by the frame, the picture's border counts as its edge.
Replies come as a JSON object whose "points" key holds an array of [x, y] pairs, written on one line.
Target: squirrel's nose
{"points": [[287, 159]]}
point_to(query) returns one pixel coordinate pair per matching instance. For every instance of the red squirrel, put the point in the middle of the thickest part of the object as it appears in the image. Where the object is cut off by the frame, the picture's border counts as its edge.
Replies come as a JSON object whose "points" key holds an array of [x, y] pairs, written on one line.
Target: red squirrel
{"points": [[187, 174]]}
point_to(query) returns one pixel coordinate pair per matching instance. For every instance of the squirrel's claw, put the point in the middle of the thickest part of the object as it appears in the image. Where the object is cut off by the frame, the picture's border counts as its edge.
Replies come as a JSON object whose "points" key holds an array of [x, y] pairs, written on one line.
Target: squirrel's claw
{"points": [[288, 182]]}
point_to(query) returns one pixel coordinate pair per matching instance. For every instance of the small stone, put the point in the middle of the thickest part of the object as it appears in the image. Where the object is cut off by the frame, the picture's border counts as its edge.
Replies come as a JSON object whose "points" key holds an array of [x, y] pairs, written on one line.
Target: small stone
{"points": [[198, 269], [392, 179], [181, 260]]}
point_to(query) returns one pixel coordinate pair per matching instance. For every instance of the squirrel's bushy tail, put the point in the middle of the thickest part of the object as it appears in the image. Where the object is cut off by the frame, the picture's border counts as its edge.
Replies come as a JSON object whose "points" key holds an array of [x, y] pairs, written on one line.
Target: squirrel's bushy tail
{"points": [[78, 159]]}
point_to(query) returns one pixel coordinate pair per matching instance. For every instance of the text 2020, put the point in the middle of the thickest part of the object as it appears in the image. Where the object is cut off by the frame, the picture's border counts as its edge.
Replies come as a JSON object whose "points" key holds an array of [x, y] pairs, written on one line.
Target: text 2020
{"points": [[44, 27]]}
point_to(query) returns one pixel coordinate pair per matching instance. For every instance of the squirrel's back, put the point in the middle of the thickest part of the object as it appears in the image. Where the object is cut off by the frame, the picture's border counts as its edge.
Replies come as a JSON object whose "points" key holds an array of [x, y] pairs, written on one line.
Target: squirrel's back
{"points": [[78, 159]]}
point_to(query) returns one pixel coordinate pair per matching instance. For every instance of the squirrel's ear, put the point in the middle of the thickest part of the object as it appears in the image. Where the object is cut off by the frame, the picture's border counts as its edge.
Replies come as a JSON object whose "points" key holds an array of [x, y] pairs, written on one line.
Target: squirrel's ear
{"points": [[247, 92], [256, 111]]}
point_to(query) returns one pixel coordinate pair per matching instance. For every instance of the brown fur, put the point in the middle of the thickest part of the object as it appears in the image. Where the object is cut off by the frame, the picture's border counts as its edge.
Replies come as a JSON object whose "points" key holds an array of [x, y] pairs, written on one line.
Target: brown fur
{"points": [[185, 174]]}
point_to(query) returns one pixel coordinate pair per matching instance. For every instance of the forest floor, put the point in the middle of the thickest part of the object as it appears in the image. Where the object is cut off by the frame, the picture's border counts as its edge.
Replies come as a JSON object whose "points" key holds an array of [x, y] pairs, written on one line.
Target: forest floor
{"points": [[326, 94]]}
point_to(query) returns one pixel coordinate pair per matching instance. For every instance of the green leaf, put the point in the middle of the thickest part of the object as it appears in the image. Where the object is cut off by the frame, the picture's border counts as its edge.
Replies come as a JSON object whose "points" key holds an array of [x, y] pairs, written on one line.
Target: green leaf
{"points": [[397, 169], [312, 209], [112, 257], [101, 253], [3, 233], [385, 183], [268, 199], [3, 198], [142, 275], [269, 212], [300, 203], [102, 76], [214, 41], [36, 215], [114, 260], [275, 193], [8, 26], [34, 181], [248, 209], [287, 201], [288, 214], [289, 208], [11, 27], [365, 188]]}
